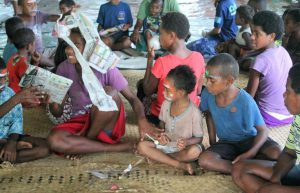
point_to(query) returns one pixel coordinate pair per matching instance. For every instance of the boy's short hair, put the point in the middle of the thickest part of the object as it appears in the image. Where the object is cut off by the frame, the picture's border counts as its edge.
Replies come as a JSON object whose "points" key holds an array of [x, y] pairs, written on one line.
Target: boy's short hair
{"points": [[68, 3], [176, 22], [160, 2], [23, 37], [184, 78], [2, 64], [246, 12], [12, 25], [293, 13], [270, 22], [229, 66], [294, 76]]}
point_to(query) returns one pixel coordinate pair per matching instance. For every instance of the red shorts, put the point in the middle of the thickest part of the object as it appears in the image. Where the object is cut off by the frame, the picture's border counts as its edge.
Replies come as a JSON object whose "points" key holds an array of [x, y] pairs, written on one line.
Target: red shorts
{"points": [[81, 123]]}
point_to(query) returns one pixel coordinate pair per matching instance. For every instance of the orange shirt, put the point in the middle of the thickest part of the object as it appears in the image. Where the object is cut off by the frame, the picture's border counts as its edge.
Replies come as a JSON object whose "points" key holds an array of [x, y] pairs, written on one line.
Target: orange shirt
{"points": [[16, 67], [161, 69]]}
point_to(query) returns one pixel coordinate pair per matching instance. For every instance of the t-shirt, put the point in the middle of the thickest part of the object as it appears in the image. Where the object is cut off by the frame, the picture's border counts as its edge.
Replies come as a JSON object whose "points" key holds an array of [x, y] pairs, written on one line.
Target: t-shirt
{"points": [[239, 36], [80, 99], [236, 121], [12, 122], [152, 23], [111, 15], [35, 24], [9, 50], [161, 69], [16, 67], [186, 125], [273, 65], [293, 141], [225, 19], [168, 6]]}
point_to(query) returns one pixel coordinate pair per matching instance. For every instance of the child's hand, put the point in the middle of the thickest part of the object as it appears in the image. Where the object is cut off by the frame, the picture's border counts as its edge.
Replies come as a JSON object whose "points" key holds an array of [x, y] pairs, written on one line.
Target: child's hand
{"points": [[30, 95], [243, 156], [9, 152], [163, 139], [181, 144], [151, 53], [126, 27], [36, 58]]}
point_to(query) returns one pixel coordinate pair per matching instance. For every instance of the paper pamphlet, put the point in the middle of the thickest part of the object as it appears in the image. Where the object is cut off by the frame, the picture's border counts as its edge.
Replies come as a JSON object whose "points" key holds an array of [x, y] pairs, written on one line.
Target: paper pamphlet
{"points": [[56, 86], [96, 54]]}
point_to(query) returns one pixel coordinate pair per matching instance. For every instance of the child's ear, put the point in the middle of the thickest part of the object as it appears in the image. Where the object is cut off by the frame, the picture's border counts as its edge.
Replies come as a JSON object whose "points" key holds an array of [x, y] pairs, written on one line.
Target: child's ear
{"points": [[230, 80], [272, 35]]}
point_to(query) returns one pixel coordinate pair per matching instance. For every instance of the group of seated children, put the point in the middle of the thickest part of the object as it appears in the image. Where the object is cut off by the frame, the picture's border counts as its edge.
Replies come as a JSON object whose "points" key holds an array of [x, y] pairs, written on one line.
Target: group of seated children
{"points": [[237, 117]]}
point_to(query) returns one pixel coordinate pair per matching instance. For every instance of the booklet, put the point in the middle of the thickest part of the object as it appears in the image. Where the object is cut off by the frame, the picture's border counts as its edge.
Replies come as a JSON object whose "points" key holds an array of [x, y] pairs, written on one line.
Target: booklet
{"points": [[56, 86]]}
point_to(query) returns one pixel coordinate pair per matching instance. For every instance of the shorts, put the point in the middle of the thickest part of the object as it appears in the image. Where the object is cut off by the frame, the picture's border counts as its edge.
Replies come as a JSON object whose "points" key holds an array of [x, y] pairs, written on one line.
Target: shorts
{"points": [[292, 178], [172, 148], [81, 123], [229, 150], [119, 35]]}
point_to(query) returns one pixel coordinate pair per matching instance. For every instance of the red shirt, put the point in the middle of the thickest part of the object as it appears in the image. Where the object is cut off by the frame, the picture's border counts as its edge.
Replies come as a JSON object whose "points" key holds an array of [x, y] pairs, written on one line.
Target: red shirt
{"points": [[16, 67], [161, 69]]}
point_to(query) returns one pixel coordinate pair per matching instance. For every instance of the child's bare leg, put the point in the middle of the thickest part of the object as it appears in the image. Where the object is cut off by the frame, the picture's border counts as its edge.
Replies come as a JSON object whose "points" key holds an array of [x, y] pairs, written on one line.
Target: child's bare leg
{"points": [[122, 43], [270, 153], [212, 161], [191, 153], [250, 175], [40, 149], [148, 149], [148, 37], [108, 41], [234, 50], [23, 145], [276, 188]]}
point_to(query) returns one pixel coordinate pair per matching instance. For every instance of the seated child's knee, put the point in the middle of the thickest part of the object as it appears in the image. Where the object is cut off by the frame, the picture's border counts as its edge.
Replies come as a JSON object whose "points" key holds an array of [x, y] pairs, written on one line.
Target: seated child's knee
{"points": [[108, 41], [194, 151], [126, 42], [237, 168], [141, 147], [56, 142]]}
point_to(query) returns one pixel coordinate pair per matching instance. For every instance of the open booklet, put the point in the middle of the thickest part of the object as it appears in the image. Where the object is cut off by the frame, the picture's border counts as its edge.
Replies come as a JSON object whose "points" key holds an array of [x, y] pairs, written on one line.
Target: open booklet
{"points": [[56, 86]]}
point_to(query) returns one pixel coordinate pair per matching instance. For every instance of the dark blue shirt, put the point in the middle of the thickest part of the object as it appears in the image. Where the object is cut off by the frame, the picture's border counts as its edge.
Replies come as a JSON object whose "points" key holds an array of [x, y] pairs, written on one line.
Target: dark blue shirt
{"points": [[225, 19], [236, 121], [113, 15]]}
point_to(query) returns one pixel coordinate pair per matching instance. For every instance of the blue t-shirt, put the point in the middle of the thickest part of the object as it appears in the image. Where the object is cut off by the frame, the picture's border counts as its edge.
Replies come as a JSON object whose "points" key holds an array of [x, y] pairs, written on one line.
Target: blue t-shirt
{"points": [[12, 122], [225, 19], [9, 50], [113, 15], [235, 122]]}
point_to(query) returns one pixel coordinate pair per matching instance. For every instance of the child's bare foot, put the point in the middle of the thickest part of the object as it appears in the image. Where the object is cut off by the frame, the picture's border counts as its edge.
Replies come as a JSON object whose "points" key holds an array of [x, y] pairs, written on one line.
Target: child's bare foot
{"points": [[23, 145], [187, 167], [73, 157]]}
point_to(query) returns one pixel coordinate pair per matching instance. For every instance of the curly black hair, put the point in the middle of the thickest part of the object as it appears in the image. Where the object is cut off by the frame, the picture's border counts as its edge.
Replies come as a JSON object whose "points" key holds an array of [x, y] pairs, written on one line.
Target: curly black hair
{"points": [[68, 3], [23, 37], [246, 12], [270, 22], [184, 78], [293, 14], [176, 22], [12, 25], [294, 76]]}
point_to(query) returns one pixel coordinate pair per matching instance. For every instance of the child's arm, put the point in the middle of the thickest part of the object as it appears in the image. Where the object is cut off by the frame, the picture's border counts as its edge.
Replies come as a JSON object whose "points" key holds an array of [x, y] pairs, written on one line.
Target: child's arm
{"points": [[9, 151], [259, 140], [150, 82], [253, 82], [213, 32], [55, 108], [247, 37], [285, 162], [211, 128], [183, 143], [53, 17]]}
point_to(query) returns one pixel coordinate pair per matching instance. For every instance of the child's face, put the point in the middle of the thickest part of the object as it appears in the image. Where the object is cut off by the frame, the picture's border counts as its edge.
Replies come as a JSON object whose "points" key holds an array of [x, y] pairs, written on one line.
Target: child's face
{"points": [[79, 43], [289, 25], [260, 38], [31, 48], [115, 2], [65, 9], [29, 7], [238, 19], [215, 83], [165, 39], [170, 92], [291, 99], [155, 9]]}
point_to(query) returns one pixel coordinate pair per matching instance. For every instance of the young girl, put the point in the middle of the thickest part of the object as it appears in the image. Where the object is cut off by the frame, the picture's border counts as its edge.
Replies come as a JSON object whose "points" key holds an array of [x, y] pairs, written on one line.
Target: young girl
{"points": [[66, 6], [268, 73], [291, 40], [180, 120]]}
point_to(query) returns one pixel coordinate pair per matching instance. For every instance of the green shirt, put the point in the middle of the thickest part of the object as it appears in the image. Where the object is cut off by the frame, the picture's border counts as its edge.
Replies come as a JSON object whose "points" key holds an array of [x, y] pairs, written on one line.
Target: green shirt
{"points": [[169, 6], [293, 141]]}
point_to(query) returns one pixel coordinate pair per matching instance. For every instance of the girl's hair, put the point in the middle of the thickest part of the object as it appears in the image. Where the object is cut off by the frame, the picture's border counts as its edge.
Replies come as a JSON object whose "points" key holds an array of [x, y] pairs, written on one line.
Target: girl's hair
{"points": [[68, 3], [294, 14], [270, 22], [60, 54], [184, 78], [76, 30], [246, 12], [23, 37], [294, 76], [176, 22]]}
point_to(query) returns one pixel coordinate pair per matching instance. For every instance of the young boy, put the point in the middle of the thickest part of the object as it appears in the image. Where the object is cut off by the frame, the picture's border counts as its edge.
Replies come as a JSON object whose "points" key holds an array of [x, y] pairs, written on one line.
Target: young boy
{"points": [[14, 146], [181, 122], [258, 5], [173, 31], [66, 6], [284, 176], [224, 29], [17, 65], [11, 26], [115, 14], [233, 116]]}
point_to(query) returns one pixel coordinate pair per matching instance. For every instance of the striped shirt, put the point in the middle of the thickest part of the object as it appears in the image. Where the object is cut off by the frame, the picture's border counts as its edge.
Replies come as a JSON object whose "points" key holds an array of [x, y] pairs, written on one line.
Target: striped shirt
{"points": [[293, 141]]}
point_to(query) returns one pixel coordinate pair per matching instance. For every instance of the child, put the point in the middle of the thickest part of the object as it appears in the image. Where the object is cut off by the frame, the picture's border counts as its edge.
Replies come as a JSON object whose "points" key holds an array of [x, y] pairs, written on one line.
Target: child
{"points": [[268, 73], [90, 130], [243, 42], [17, 65], [258, 5], [14, 146], [224, 29], [284, 176], [115, 14], [173, 31], [152, 22], [11, 26], [180, 119], [292, 34], [232, 115], [66, 6]]}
